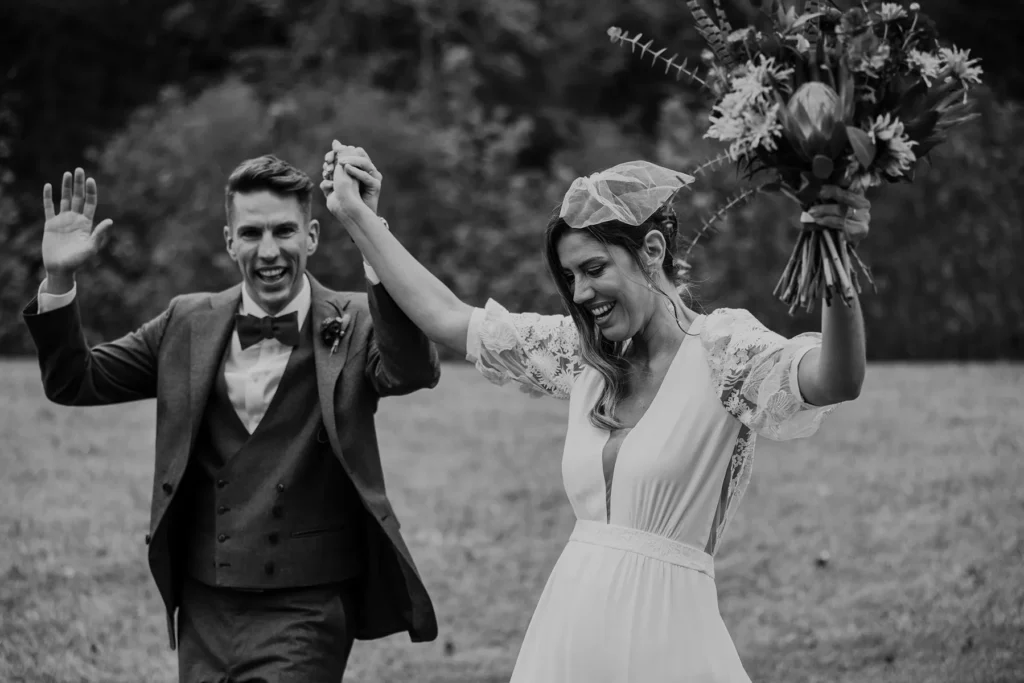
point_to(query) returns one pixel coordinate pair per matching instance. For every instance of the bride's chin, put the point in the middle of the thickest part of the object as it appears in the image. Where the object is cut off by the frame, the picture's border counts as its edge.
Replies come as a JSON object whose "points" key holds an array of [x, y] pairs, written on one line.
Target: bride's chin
{"points": [[611, 335]]}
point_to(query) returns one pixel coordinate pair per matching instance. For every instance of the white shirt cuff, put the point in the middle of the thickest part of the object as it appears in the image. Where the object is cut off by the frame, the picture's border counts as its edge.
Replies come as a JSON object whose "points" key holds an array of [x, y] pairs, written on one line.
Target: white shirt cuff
{"points": [[370, 273], [51, 302]]}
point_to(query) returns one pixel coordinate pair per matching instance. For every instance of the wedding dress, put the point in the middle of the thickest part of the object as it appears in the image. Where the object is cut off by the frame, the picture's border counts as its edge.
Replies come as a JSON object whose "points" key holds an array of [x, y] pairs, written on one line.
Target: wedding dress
{"points": [[633, 597]]}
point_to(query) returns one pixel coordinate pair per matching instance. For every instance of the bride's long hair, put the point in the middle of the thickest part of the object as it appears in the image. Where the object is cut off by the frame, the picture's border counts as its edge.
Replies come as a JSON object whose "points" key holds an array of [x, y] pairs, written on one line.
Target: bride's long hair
{"points": [[605, 356]]}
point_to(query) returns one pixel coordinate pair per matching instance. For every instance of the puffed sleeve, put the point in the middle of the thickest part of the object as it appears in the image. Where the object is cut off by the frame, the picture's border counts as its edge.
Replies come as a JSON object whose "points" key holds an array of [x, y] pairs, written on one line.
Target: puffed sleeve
{"points": [[540, 352], [754, 371]]}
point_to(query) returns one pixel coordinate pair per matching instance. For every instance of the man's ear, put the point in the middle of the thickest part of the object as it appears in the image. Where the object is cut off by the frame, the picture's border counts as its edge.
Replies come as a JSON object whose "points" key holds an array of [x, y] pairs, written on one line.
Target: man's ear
{"points": [[314, 237], [229, 242]]}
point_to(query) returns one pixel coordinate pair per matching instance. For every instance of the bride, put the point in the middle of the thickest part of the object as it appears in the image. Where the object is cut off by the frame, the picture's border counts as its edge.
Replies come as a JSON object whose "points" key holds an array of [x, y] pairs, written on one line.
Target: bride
{"points": [[665, 406]]}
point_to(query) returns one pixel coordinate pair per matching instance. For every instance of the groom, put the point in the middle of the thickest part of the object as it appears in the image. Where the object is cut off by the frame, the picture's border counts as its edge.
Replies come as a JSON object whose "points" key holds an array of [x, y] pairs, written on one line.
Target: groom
{"points": [[271, 535]]}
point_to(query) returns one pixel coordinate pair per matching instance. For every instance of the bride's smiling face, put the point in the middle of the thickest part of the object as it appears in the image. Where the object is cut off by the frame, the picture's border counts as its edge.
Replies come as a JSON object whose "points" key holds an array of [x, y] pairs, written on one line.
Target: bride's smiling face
{"points": [[607, 283]]}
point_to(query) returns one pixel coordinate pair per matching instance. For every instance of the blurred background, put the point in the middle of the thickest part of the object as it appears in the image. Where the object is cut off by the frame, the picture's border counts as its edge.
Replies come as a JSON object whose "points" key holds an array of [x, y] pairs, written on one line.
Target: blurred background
{"points": [[479, 113]]}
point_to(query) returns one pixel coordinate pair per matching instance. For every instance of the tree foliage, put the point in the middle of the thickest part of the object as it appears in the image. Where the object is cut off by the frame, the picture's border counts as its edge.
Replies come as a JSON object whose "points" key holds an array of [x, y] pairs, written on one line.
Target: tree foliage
{"points": [[479, 113]]}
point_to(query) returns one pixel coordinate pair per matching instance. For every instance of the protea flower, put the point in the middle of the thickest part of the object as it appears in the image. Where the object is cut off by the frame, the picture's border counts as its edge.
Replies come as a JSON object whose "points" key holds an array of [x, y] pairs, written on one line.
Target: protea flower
{"points": [[814, 122]]}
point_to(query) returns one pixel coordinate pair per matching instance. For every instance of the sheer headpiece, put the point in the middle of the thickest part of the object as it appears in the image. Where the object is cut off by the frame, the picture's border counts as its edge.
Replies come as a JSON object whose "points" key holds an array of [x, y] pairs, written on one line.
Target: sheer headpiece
{"points": [[630, 192]]}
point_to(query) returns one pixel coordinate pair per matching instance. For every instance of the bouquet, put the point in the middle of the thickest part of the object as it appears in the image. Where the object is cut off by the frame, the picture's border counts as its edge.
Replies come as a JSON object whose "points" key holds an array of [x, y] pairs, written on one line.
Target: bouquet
{"points": [[814, 95]]}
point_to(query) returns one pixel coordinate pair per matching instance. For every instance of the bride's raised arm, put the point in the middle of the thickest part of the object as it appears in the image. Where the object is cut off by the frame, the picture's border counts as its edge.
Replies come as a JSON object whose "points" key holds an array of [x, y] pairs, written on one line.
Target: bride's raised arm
{"points": [[539, 352], [428, 302]]}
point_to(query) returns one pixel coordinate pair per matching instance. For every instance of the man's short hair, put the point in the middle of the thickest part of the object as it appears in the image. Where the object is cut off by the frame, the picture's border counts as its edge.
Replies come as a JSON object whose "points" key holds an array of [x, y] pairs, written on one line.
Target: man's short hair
{"points": [[268, 173]]}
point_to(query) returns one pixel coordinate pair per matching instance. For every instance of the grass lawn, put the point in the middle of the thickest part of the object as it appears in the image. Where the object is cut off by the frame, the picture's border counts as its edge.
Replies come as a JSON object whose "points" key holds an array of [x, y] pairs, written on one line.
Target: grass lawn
{"points": [[915, 492]]}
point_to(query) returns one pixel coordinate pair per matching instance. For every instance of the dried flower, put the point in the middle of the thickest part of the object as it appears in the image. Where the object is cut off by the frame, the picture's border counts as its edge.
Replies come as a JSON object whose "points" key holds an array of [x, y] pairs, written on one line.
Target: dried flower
{"points": [[867, 52], [890, 11], [959, 64], [927, 64], [894, 155], [332, 330], [854, 22], [747, 116]]}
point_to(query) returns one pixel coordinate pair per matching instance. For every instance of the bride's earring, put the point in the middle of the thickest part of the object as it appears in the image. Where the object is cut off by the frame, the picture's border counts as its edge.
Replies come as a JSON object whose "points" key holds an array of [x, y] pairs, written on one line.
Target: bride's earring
{"points": [[649, 278]]}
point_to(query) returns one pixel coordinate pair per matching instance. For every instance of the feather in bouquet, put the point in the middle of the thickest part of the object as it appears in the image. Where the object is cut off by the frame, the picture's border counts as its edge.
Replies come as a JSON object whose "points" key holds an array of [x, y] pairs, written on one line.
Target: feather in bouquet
{"points": [[815, 95]]}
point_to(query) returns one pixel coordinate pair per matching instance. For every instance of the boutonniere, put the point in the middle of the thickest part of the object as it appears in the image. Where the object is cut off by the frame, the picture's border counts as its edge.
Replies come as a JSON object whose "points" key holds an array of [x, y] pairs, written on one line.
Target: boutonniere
{"points": [[332, 330]]}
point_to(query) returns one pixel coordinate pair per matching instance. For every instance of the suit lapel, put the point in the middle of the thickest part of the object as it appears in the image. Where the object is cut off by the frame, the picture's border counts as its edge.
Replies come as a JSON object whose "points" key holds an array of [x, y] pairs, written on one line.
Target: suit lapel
{"points": [[327, 304], [211, 329]]}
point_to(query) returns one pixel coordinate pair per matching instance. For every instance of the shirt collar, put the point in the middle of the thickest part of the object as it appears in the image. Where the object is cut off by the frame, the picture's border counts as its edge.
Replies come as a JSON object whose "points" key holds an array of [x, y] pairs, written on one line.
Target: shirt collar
{"points": [[300, 304]]}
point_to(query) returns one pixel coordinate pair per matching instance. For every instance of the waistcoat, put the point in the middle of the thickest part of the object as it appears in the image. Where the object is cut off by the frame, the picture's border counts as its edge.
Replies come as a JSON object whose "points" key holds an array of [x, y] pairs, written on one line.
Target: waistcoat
{"points": [[271, 509]]}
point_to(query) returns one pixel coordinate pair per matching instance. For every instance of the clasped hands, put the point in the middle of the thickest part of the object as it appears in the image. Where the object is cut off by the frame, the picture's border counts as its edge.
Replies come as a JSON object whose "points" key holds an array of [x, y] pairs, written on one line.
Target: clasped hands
{"points": [[350, 179], [848, 211]]}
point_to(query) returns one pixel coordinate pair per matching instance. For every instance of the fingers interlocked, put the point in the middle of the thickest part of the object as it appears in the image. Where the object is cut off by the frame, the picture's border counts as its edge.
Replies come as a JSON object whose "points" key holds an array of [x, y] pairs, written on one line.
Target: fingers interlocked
{"points": [[355, 161]]}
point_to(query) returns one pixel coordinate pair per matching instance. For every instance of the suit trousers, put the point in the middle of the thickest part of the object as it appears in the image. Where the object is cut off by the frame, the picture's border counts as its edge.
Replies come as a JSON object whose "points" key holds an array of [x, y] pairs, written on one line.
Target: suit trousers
{"points": [[268, 636]]}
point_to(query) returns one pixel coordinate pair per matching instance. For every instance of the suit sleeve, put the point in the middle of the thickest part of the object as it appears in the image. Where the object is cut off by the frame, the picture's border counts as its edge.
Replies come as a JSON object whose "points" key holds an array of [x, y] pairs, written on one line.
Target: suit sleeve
{"points": [[400, 358], [76, 375]]}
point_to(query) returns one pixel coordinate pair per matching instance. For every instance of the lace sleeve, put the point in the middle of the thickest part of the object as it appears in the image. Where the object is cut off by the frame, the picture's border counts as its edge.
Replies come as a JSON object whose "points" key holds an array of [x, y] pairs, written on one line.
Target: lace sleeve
{"points": [[755, 374], [540, 352]]}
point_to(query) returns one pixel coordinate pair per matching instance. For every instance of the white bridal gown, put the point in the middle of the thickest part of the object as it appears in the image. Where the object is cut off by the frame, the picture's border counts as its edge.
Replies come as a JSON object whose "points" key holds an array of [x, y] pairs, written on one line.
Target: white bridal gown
{"points": [[632, 597]]}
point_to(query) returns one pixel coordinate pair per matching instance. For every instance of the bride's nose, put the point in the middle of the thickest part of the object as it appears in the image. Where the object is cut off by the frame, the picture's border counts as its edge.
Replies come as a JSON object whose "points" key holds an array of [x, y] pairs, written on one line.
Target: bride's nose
{"points": [[582, 292]]}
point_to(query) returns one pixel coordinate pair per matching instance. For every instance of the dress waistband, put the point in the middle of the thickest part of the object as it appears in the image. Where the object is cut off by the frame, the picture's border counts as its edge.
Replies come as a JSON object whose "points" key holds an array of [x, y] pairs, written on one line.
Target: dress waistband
{"points": [[643, 543]]}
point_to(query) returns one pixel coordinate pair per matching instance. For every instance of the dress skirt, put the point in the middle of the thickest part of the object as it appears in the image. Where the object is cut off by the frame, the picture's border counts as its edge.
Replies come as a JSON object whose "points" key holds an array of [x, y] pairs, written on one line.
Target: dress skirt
{"points": [[627, 605]]}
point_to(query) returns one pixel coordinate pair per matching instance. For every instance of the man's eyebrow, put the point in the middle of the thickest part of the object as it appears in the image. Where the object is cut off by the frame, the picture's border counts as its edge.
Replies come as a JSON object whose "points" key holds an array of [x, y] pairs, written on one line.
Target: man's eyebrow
{"points": [[285, 224]]}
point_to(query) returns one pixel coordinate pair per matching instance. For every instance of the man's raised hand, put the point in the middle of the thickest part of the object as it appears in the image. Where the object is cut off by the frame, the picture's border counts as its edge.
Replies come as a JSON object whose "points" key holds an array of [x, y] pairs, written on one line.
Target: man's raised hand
{"points": [[69, 238]]}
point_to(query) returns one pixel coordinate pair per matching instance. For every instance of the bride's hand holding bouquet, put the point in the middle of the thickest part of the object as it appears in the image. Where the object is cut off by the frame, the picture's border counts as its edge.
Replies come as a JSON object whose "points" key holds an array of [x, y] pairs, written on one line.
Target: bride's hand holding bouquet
{"points": [[814, 96]]}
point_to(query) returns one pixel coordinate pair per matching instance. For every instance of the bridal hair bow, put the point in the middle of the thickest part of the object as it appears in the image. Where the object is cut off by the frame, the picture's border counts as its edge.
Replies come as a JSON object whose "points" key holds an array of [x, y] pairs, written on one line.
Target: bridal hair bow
{"points": [[629, 192]]}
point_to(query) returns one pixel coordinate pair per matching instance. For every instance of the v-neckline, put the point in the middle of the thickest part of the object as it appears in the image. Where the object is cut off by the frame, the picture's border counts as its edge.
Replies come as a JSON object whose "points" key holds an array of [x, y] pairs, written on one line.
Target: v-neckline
{"points": [[608, 479]]}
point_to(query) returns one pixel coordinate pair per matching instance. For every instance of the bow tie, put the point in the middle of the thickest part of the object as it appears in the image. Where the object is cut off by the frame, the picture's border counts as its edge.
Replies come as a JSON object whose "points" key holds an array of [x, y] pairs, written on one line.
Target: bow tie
{"points": [[252, 330]]}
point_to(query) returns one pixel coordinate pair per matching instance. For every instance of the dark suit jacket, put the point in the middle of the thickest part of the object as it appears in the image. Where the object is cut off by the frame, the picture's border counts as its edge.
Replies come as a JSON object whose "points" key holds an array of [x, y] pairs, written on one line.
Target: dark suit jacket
{"points": [[174, 357]]}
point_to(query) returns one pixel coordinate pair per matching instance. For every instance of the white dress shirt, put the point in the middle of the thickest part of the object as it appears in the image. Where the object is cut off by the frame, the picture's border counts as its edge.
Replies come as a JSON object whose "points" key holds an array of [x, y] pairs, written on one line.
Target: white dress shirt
{"points": [[252, 375]]}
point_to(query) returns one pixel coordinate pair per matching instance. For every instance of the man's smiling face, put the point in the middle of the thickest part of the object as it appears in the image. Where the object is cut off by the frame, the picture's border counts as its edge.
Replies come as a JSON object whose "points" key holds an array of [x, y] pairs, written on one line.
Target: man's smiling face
{"points": [[270, 237]]}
